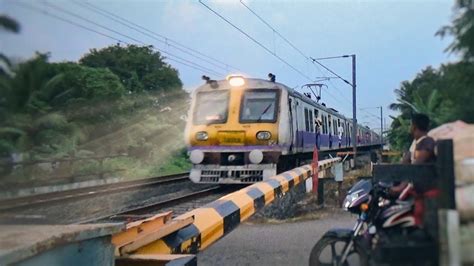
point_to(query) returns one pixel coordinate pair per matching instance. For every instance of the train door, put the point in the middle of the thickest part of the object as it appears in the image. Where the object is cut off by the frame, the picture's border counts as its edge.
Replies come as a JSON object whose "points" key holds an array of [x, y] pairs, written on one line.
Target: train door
{"points": [[295, 124], [346, 133], [339, 133], [300, 125], [306, 120], [317, 128], [323, 130], [310, 121], [350, 136]]}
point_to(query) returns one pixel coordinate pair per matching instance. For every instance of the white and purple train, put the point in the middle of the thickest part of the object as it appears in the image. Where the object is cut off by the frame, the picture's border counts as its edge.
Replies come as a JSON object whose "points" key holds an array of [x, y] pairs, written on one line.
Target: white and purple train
{"points": [[243, 130]]}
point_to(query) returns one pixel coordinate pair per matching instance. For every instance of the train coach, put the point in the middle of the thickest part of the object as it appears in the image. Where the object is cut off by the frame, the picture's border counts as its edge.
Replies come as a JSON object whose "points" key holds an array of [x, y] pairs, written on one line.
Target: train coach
{"points": [[244, 130]]}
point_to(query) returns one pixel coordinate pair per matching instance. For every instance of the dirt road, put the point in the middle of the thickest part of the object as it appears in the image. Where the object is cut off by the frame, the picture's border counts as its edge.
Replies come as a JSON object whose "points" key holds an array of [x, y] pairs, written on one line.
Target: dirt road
{"points": [[287, 243]]}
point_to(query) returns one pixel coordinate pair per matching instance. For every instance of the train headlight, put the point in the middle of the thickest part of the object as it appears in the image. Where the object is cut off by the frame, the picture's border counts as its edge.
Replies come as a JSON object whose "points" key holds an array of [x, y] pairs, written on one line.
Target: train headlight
{"points": [[202, 135], [256, 156], [236, 81], [264, 135], [196, 156]]}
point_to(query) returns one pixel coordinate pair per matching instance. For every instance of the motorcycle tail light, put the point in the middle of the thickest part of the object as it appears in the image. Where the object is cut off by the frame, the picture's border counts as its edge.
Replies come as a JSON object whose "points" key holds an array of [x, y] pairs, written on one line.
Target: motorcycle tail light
{"points": [[364, 207]]}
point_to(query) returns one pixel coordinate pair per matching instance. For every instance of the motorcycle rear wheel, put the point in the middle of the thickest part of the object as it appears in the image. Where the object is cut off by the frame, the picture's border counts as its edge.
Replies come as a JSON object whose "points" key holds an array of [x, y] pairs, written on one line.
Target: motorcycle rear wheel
{"points": [[319, 254]]}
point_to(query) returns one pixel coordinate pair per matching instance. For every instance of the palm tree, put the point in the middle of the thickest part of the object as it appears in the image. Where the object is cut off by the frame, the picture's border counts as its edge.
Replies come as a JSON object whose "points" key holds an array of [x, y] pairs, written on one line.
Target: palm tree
{"points": [[462, 28], [10, 25], [27, 120], [435, 107]]}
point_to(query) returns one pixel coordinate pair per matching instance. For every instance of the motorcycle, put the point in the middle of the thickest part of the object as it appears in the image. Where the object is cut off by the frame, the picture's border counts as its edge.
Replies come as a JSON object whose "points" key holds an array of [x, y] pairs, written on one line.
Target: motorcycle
{"points": [[387, 232]]}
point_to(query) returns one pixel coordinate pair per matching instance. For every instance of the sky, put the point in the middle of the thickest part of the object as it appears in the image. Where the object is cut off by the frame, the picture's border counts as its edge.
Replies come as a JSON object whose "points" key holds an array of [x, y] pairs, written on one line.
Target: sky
{"points": [[393, 40]]}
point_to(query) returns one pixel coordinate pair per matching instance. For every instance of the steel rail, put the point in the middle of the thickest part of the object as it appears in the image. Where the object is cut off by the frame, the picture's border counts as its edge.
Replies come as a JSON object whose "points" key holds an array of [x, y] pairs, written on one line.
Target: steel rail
{"points": [[46, 198], [153, 208]]}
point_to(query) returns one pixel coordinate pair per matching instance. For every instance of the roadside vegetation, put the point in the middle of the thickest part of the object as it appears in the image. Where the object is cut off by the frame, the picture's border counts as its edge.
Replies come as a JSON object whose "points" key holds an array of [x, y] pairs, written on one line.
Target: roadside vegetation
{"points": [[446, 93], [119, 110]]}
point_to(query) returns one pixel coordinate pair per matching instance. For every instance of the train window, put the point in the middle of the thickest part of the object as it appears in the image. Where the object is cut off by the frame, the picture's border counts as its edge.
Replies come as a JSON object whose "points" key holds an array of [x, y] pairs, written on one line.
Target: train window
{"points": [[211, 107], [259, 106], [311, 121]]}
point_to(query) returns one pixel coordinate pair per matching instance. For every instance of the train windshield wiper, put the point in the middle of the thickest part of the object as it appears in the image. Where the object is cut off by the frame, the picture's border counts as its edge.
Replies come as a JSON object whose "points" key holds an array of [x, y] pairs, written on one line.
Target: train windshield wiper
{"points": [[264, 112]]}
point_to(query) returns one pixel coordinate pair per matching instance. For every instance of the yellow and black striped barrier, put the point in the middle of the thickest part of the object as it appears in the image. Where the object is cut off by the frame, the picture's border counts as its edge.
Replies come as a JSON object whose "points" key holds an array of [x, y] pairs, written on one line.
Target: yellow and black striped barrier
{"points": [[216, 219]]}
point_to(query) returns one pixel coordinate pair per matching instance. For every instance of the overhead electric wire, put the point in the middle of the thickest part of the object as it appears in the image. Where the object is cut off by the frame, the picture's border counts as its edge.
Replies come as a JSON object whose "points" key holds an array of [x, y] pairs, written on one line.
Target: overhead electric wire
{"points": [[330, 71], [255, 41], [49, 14], [310, 59], [208, 70], [281, 36], [268, 50], [275, 31], [166, 39], [289, 42], [163, 39], [339, 91], [368, 114]]}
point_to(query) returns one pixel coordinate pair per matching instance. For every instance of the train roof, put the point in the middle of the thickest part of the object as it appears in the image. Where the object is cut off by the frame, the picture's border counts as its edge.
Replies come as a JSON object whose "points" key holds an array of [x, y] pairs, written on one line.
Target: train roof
{"points": [[249, 82], [308, 100], [264, 83]]}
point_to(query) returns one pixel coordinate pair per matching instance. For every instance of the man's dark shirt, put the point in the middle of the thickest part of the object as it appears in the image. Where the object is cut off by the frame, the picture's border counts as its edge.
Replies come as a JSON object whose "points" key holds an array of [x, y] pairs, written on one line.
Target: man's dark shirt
{"points": [[427, 144]]}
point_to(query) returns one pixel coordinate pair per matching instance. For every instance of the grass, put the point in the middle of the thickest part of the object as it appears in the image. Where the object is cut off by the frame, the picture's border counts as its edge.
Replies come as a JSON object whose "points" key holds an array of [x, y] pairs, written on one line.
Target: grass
{"points": [[176, 164], [151, 138]]}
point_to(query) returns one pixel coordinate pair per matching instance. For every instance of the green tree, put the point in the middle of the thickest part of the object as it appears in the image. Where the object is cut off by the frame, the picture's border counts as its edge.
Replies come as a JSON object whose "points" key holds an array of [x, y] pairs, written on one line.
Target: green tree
{"points": [[10, 25], [35, 102], [399, 134], [139, 68], [445, 94], [457, 86], [22, 91], [81, 83], [462, 29]]}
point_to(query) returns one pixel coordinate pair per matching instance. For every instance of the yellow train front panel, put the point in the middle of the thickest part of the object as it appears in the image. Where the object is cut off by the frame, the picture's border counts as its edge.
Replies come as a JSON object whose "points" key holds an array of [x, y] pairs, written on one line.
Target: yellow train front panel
{"points": [[233, 131]]}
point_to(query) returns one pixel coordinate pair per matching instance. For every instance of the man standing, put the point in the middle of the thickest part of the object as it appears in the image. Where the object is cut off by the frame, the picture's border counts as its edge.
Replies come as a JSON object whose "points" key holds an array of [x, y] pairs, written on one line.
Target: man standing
{"points": [[318, 124], [422, 147], [340, 132]]}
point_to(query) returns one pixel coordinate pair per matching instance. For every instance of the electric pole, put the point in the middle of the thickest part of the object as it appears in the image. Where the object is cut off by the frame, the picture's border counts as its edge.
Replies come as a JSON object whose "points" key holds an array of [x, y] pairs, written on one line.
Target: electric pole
{"points": [[354, 115], [381, 127]]}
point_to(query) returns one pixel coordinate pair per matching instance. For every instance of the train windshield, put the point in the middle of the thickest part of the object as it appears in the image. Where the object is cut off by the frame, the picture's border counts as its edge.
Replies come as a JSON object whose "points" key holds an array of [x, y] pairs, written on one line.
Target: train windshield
{"points": [[259, 106], [211, 107]]}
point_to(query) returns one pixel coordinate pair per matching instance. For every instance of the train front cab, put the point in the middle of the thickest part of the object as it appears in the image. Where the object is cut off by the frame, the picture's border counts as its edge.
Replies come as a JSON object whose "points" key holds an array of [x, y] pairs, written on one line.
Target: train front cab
{"points": [[233, 131]]}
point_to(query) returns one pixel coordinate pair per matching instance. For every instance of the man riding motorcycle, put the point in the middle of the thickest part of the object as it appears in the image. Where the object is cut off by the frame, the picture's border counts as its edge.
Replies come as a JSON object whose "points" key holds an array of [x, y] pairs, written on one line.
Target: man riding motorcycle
{"points": [[387, 213]]}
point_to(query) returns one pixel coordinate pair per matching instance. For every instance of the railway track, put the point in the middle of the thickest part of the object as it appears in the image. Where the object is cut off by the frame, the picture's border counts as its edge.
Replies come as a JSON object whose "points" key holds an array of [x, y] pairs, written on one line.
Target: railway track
{"points": [[74, 194], [178, 204]]}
